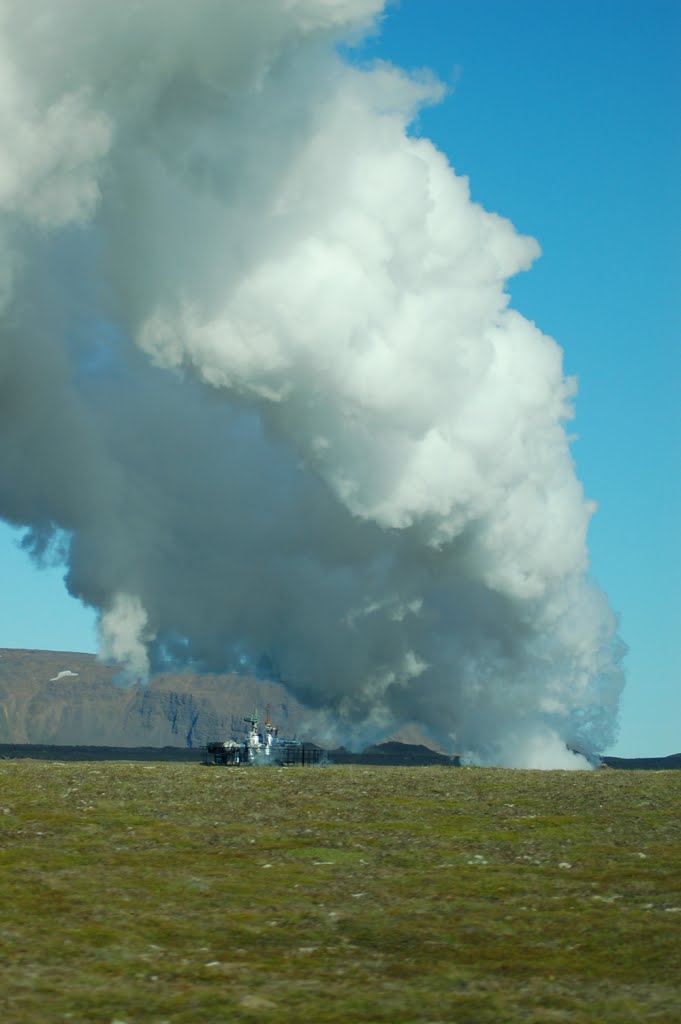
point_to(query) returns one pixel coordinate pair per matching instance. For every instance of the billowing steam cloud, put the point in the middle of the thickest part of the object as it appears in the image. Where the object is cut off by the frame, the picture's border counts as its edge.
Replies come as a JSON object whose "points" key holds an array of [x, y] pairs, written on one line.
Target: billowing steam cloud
{"points": [[260, 377]]}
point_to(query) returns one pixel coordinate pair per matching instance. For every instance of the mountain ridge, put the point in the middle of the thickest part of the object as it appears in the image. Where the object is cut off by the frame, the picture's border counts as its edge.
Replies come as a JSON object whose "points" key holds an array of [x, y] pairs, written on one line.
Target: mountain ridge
{"points": [[69, 698]]}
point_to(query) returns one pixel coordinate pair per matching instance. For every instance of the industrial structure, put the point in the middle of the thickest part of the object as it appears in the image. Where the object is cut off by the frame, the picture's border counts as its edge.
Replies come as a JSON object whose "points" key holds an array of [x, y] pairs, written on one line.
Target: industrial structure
{"points": [[263, 746]]}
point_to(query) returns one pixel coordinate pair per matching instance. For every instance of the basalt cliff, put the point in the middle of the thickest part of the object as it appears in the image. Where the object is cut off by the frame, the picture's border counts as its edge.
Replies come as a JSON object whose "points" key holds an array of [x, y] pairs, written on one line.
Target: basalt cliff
{"points": [[51, 697]]}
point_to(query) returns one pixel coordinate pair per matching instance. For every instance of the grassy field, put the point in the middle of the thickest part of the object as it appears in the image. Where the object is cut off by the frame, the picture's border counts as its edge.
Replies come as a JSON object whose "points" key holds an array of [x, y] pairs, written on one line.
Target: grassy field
{"points": [[169, 892]]}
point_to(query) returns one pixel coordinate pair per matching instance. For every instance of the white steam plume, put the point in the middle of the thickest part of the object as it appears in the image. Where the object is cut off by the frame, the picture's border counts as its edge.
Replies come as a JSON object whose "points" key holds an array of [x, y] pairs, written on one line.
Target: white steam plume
{"points": [[123, 636], [259, 368]]}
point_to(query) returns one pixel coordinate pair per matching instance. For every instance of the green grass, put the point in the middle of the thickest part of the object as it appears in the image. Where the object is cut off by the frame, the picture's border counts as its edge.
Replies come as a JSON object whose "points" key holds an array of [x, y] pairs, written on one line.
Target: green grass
{"points": [[180, 893]]}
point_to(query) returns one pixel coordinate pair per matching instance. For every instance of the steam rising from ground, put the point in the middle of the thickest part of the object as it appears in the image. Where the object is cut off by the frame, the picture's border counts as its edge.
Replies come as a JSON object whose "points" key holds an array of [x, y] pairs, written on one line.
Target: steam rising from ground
{"points": [[259, 376]]}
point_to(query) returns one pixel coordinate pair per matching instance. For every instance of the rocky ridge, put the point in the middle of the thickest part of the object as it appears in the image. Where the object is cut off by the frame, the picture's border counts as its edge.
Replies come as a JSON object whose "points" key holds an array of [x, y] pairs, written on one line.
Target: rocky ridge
{"points": [[67, 698]]}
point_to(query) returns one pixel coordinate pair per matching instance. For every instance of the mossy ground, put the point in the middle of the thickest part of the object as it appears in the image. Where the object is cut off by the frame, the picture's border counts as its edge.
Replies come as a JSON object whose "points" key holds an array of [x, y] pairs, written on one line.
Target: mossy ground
{"points": [[147, 893]]}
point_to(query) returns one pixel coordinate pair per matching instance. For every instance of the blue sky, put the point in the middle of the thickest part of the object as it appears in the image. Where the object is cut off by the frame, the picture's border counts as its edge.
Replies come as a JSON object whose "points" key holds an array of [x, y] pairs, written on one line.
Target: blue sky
{"points": [[564, 114]]}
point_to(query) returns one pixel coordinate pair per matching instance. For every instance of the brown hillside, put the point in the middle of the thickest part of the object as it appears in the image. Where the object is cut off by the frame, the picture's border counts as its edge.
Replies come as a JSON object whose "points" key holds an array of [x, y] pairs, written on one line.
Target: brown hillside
{"points": [[69, 698]]}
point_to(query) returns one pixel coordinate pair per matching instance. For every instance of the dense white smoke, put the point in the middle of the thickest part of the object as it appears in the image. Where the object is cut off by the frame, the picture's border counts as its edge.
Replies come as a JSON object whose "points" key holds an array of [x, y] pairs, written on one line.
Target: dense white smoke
{"points": [[260, 376]]}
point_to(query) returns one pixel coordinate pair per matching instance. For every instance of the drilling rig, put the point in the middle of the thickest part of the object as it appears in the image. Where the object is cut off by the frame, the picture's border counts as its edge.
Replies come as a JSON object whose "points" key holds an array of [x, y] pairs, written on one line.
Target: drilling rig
{"points": [[262, 747]]}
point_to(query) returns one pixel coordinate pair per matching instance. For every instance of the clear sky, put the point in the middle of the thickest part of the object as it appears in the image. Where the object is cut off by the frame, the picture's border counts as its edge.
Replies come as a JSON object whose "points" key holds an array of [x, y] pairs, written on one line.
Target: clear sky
{"points": [[565, 115]]}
